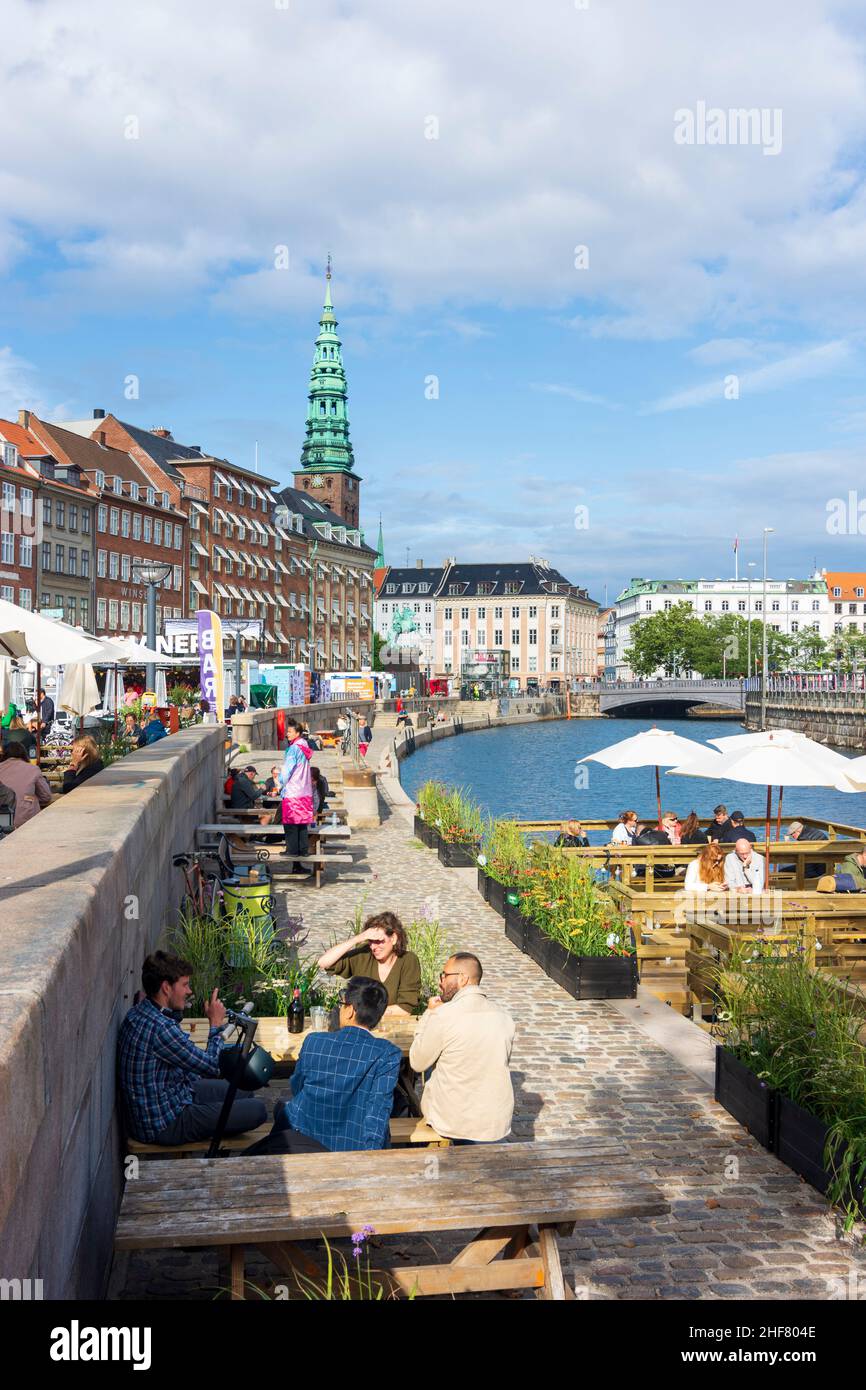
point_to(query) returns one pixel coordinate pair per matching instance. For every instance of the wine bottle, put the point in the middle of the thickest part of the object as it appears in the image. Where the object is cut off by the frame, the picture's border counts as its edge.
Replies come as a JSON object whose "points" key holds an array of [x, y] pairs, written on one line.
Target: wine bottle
{"points": [[296, 1013]]}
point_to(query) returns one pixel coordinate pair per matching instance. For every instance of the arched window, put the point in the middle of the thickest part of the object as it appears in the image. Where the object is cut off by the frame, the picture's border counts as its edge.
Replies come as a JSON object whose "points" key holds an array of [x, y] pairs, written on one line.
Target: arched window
{"points": [[322, 407], [333, 407]]}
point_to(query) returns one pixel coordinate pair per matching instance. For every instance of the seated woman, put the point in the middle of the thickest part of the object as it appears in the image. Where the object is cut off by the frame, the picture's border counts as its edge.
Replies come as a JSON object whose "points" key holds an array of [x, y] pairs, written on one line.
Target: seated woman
{"points": [[706, 874], [691, 832], [18, 732], [626, 832], [671, 827], [379, 953], [321, 792], [84, 763], [571, 836]]}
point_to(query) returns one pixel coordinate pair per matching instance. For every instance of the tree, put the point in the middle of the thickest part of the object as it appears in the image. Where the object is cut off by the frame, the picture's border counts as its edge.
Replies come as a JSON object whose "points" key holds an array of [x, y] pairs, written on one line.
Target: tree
{"points": [[378, 643], [664, 641]]}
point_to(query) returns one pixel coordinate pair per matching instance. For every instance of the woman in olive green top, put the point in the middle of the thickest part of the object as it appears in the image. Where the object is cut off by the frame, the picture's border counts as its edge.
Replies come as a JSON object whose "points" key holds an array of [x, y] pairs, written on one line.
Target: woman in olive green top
{"points": [[379, 953]]}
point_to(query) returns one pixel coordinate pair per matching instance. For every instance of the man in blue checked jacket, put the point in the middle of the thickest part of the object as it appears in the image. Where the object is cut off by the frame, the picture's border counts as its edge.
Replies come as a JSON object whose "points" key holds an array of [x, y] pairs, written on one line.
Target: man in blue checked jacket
{"points": [[172, 1091], [343, 1084]]}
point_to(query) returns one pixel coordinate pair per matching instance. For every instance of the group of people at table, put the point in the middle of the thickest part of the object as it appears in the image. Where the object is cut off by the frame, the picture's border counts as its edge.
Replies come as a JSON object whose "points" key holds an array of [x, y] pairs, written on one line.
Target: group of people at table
{"points": [[727, 861], [344, 1085]]}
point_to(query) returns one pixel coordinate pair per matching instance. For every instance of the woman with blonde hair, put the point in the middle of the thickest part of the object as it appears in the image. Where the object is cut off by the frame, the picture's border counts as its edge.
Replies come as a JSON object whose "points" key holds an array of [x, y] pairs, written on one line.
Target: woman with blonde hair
{"points": [[84, 763], [706, 874], [626, 832]]}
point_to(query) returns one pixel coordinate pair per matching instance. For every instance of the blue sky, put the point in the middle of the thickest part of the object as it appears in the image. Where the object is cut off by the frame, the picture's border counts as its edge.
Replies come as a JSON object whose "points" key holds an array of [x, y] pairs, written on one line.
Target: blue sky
{"points": [[171, 151]]}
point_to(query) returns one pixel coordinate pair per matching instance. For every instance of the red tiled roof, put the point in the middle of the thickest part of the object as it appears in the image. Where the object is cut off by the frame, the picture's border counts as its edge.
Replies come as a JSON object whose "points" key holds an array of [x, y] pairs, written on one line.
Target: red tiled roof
{"points": [[848, 581]]}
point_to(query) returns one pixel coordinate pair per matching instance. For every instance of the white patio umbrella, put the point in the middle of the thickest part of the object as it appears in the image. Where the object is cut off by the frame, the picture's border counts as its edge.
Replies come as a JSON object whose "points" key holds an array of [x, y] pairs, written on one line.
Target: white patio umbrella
{"points": [[5, 683], [795, 739], [651, 748], [23, 633], [80, 693], [770, 762]]}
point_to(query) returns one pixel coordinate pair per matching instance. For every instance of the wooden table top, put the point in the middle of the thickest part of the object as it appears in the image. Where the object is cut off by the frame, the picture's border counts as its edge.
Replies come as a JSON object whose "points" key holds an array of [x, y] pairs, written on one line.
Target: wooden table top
{"points": [[202, 1201], [274, 1036]]}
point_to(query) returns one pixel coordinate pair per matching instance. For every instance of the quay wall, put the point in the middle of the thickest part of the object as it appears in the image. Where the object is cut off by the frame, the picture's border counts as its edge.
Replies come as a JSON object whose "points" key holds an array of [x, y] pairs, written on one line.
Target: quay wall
{"points": [[86, 888], [823, 716], [257, 728]]}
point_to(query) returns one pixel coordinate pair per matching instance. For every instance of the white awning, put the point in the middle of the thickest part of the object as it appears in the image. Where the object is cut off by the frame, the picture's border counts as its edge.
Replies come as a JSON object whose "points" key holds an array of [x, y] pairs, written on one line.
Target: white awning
{"points": [[281, 601], [269, 636], [269, 563], [281, 637], [199, 506], [235, 593], [283, 568], [199, 587], [247, 487], [223, 516], [283, 535], [247, 595], [269, 528], [250, 560], [235, 556], [353, 573], [223, 593], [221, 478], [199, 548], [260, 493], [222, 552]]}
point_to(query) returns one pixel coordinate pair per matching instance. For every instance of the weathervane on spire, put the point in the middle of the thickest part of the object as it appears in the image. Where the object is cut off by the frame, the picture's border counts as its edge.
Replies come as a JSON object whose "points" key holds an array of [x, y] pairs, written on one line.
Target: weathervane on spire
{"points": [[328, 270]]}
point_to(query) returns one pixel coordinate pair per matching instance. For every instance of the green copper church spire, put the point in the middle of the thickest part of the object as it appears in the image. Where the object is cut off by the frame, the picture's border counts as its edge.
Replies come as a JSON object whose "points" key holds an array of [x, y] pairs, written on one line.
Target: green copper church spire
{"points": [[380, 548], [327, 447]]}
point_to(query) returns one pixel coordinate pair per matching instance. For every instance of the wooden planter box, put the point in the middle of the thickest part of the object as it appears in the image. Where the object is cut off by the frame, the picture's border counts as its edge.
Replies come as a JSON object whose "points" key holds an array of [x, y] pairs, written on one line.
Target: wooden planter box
{"points": [[800, 1141], [515, 926], [592, 977], [457, 856], [497, 896], [748, 1099], [537, 945], [483, 883], [420, 826]]}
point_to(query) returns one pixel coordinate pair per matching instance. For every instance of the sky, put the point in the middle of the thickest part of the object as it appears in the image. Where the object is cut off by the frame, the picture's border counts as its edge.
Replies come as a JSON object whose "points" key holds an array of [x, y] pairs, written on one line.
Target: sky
{"points": [[588, 313]]}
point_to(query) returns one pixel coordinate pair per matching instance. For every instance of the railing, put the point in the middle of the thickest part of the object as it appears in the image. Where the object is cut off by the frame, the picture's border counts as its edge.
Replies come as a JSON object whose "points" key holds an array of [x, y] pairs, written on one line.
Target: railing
{"points": [[677, 685]]}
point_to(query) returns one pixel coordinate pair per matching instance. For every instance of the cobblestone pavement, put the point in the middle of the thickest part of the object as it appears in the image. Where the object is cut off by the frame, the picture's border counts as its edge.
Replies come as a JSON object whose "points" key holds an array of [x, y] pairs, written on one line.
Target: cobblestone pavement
{"points": [[761, 1234]]}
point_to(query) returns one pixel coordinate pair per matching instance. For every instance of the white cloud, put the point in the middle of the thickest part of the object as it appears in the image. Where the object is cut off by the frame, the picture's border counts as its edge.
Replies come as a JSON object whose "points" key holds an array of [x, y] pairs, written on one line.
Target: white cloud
{"points": [[260, 126], [800, 366], [574, 393]]}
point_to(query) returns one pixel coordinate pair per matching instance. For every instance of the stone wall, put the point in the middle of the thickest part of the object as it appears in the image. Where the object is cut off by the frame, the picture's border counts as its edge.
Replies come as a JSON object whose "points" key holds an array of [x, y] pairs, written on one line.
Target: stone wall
{"points": [[85, 890], [836, 722], [257, 728]]}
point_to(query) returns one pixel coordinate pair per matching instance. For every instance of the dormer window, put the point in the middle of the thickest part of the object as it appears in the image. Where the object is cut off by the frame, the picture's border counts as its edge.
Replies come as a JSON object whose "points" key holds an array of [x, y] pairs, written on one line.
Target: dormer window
{"points": [[117, 484], [165, 501], [408, 588], [151, 497], [837, 592], [133, 492], [390, 588], [100, 479], [10, 455]]}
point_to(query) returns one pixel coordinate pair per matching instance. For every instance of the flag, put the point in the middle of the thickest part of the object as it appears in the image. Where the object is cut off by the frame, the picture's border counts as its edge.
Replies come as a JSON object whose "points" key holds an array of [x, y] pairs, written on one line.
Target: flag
{"points": [[736, 544], [210, 646]]}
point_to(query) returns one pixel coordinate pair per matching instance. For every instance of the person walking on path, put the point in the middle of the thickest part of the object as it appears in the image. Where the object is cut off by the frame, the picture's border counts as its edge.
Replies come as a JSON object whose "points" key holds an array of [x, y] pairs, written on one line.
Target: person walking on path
{"points": [[467, 1040], [296, 794], [25, 779]]}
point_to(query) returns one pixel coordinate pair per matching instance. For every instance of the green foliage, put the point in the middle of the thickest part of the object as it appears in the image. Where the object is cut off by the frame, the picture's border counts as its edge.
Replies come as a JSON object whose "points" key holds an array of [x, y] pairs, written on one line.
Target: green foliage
{"points": [[180, 694], [799, 1032], [111, 748], [378, 643], [664, 641], [355, 1283], [429, 941], [461, 821], [243, 957], [563, 900], [506, 852], [431, 800]]}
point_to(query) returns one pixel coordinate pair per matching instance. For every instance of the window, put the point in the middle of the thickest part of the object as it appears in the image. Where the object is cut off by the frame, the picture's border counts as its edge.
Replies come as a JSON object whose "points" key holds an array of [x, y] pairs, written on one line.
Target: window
{"points": [[464, 637], [554, 612], [497, 637], [113, 565], [795, 627], [533, 637], [795, 605], [7, 548], [157, 531], [114, 521], [101, 562], [73, 560], [852, 608], [60, 515], [136, 617], [46, 511], [708, 605], [858, 591], [533, 610], [85, 609], [101, 618], [816, 605], [136, 526], [59, 558], [741, 605], [178, 537], [85, 563], [515, 613], [667, 605], [73, 516], [124, 615], [125, 567], [758, 605], [124, 524], [497, 613], [515, 637], [482, 612], [25, 598], [464, 615], [85, 526], [151, 497], [647, 605], [27, 510], [837, 608], [448, 638], [480, 636], [25, 551], [554, 663], [102, 517], [112, 614], [837, 592], [775, 605], [725, 605], [46, 559], [148, 529], [178, 577], [133, 492]]}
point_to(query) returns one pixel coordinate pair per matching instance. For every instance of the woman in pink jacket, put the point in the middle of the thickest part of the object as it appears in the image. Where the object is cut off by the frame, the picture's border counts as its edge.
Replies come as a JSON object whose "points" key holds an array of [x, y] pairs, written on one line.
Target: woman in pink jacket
{"points": [[32, 792], [296, 793]]}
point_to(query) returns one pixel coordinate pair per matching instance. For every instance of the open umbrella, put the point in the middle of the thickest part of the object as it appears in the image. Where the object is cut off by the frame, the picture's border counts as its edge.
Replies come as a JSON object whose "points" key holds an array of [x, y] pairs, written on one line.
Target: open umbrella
{"points": [[651, 748], [770, 761], [51, 643], [795, 739]]}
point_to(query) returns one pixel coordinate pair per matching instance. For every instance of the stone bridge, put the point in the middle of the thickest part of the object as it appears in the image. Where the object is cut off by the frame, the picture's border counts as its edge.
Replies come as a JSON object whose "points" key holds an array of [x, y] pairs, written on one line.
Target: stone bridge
{"points": [[633, 699]]}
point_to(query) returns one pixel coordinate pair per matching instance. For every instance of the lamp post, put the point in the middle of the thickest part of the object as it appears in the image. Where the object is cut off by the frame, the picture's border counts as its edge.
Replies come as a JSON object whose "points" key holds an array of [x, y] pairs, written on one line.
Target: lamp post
{"points": [[767, 531], [153, 573], [750, 566]]}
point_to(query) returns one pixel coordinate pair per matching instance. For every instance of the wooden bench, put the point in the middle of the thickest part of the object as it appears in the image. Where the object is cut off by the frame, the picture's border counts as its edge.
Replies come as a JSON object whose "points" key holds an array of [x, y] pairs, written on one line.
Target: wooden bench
{"points": [[516, 1198], [403, 1132], [207, 838]]}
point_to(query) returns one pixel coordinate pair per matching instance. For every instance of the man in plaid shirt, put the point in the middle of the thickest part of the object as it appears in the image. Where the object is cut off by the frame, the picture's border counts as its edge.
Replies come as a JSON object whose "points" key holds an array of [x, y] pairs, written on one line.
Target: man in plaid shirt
{"points": [[343, 1084], [171, 1089]]}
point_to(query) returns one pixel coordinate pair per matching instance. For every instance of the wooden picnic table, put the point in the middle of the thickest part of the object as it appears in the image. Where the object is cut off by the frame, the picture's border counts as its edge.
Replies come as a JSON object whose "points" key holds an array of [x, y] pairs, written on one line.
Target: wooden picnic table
{"points": [[274, 1036], [516, 1198]]}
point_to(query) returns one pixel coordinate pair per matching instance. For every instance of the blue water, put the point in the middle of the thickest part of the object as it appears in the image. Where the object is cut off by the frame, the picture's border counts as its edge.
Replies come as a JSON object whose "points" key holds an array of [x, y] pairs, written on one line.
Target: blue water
{"points": [[532, 771]]}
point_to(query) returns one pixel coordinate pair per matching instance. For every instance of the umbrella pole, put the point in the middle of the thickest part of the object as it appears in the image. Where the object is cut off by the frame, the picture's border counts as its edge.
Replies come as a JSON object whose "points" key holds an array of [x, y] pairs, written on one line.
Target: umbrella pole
{"points": [[38, 713], [779, 815], [767, 835], [114, 693], [658, 797]]}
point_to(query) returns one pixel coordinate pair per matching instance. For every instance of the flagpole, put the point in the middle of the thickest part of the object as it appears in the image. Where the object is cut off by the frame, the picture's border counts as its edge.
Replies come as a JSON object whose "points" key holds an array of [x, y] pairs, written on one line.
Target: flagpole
{"points": [[736, 558]]}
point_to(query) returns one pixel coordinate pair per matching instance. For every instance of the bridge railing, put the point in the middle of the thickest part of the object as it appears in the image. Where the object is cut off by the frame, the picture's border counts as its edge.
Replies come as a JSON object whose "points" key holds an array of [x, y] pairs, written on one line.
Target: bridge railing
{"points": [[676, 686]]}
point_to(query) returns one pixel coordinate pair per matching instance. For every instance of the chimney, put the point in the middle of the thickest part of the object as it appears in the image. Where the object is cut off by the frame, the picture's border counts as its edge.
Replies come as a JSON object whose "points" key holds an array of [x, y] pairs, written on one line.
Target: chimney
{"points": [[24, 419], [419, 564], [100, 438], [162, 433], [99, 414]]}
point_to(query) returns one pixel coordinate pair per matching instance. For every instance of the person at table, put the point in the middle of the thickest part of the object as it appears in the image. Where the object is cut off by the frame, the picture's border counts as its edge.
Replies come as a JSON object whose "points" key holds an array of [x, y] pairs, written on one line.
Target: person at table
{"points": [[244, 793], [744, 871], [152, 731], [171, 1088], [571, 836], [467, 1040], [272, 783], [737, 831], [321, 792], [379, 952], [691, 833], [32, 792], [706, 874], [18, 732], [671, 827], [132, 730], [855, 865], [719, 824], [84, 763], [626, 832], [801, 834]]}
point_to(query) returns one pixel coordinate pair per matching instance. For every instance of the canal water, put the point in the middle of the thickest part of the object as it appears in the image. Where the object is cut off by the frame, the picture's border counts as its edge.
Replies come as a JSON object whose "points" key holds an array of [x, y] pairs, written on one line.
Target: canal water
{"points": [[533, 772]]}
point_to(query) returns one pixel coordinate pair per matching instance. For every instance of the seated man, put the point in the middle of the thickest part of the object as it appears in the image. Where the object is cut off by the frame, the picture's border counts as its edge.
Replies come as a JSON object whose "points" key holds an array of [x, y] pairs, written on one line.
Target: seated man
{"points": [[171, 1089], [244, 792], [797, 831], [719, 824], [343, 1083], [737, 830], [467, 1040], [855, 865], [744, 871]]}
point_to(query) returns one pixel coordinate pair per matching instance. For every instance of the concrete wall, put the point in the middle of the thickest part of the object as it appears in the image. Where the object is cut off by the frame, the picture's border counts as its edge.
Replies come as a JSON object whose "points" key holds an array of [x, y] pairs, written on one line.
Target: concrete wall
{"points": [[257, 728], [829, 720], [85, 890]]}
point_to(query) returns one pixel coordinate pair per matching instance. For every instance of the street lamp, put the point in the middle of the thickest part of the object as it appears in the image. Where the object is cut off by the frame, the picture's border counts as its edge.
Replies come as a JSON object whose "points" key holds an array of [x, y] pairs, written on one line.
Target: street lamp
{"points": [[750, 566], [768, 530], [153, 573]]}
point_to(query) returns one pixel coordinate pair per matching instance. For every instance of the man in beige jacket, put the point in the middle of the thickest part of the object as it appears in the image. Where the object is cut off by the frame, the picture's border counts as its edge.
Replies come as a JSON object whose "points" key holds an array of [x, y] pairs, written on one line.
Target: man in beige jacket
{"points": [[467, 1040]]}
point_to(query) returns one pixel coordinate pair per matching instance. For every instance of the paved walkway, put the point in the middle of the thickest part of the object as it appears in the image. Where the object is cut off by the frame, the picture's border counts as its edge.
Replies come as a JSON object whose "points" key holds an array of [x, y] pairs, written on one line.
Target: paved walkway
{"points": [[741, 1225]]}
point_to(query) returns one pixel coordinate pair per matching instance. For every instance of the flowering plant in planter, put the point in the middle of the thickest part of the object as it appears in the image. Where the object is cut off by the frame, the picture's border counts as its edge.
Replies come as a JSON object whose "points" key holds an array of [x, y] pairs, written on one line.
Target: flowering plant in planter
{"points": [[563, 900], [506, 853], [462, 822], [431, 798]]}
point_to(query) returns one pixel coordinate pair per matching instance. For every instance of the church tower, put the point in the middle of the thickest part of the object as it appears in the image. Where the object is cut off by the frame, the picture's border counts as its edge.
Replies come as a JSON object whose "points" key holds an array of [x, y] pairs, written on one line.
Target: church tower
{"points": [[327, 462]]}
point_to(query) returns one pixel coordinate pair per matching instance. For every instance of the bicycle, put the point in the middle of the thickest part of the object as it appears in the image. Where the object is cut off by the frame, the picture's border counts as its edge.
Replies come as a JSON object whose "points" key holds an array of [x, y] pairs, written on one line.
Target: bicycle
{"points": [[203, 886]]}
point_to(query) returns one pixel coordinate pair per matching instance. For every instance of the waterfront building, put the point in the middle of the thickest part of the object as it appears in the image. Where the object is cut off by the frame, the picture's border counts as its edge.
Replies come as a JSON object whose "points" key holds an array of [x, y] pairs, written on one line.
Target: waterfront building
{"points": [[543, 628], [793, 606], [604, 618], [18, 517], [846, 601]]}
